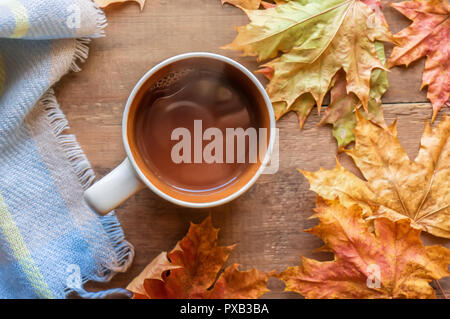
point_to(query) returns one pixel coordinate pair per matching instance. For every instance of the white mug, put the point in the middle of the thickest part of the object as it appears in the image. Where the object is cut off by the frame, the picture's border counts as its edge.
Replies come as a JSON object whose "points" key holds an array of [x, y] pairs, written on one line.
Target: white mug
{"points": [[130, 177]]}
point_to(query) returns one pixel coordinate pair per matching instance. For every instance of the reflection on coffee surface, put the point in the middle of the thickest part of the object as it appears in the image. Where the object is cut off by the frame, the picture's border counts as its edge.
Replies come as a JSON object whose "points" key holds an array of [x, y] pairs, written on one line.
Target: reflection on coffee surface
{"points": [[219, 99]]}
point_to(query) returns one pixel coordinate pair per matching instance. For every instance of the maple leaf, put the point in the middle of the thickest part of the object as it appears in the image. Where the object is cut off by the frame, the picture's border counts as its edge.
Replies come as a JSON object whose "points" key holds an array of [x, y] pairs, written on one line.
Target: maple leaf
{"points": [[190, 270], [318, 38], [246, 4], [341, 111], [396, 187], [390, 262], [105, 3], [327, 45], [252, 4], [426, 36], [154, 270]]}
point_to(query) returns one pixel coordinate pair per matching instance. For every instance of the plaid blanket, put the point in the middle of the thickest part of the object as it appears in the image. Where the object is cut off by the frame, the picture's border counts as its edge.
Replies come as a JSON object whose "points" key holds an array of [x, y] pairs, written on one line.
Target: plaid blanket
{"points": [[50, 241]]}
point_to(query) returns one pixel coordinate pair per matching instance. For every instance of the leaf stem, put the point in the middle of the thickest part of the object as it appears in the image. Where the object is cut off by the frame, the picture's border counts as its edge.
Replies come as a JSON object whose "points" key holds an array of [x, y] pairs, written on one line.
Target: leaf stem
{"points": [[441, 289]]}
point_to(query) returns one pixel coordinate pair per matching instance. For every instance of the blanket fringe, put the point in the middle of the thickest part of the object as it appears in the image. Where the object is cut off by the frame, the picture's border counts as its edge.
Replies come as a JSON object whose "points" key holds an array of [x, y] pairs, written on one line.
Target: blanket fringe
{"points": [[81, 53], [68, 142], [82, 168], [115, 293], [101, 21], [82, 44]]}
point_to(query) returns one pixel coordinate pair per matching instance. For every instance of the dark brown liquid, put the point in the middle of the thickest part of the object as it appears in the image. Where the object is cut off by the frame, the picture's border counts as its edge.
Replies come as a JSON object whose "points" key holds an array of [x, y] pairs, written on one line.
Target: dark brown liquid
{"points": [[217, 98]]}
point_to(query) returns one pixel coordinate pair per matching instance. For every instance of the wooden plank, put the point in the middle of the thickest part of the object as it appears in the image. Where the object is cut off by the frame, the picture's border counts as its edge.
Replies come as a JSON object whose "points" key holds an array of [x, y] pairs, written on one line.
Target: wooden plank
{"points": [[268, 220]]}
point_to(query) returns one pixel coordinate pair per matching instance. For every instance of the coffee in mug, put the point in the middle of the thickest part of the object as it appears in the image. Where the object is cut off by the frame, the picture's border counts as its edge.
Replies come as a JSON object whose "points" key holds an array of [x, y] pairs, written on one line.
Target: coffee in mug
{"points": [[197, 129]]}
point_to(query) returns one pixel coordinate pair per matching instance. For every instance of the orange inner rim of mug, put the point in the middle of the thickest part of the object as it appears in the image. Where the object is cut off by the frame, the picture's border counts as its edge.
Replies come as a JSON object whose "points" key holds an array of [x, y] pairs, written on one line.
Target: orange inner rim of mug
{"points": [[208, 195]]}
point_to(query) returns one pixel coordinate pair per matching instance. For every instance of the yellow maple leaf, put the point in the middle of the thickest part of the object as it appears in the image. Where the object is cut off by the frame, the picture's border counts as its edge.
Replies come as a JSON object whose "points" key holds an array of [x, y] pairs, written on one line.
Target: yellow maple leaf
{"points": [[428, 36], [341, 110], [318, 38], [396, 187], [390, 262], [105, 3]]}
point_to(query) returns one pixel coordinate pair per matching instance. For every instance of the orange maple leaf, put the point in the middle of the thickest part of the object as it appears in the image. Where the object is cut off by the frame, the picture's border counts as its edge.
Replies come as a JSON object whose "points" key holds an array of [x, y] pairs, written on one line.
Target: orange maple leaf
{"points": [[251, 4], [426, 36], [246, 4], [390, 262], [105, 3], [190, 270]]}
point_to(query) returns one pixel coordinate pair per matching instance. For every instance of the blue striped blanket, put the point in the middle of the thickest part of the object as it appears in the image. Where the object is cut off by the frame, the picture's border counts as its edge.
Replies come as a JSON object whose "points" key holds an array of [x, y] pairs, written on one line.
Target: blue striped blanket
{"points": [[50, 241]]}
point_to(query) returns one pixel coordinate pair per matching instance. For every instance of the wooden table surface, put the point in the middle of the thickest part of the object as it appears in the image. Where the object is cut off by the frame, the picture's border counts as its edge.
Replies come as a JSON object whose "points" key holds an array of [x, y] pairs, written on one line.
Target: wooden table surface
{"points": [[267, 221]]}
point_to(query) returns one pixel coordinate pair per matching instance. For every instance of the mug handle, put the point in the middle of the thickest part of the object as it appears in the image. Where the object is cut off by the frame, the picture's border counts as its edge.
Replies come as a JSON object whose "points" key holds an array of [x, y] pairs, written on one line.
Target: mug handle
{"points": [[113, 189]]}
